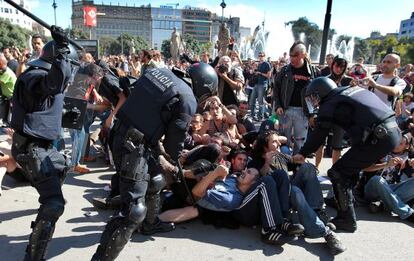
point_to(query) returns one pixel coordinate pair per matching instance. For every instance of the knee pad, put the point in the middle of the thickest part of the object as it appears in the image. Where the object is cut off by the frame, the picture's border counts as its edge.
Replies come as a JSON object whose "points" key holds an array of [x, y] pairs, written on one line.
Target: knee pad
{"points": [[137, 213], [156, 184], [52, 210]]}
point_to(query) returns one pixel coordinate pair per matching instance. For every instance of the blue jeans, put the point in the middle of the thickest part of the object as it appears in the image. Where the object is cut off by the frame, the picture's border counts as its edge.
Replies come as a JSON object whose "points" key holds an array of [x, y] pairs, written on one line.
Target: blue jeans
{"points": [[394, 196], [257, 93], [314, 227], [78, 139], [306, 179], [295, 119], [306, 197]]}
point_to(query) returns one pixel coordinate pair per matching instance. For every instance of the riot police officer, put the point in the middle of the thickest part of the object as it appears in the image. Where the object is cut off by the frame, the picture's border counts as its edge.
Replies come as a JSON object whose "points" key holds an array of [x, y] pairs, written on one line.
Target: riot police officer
{"points": [[369, 123], [160, 104], [36, 120]]}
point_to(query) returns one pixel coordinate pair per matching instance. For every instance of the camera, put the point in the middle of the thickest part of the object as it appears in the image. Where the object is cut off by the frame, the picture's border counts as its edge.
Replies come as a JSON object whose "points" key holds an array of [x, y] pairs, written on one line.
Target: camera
{"points": [[223, 68], [28, 55]]}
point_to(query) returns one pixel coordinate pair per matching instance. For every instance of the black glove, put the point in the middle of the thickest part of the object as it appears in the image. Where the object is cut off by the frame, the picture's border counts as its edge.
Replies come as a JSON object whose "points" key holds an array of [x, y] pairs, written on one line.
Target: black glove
{"points": [[202, 167], [59, 36]]}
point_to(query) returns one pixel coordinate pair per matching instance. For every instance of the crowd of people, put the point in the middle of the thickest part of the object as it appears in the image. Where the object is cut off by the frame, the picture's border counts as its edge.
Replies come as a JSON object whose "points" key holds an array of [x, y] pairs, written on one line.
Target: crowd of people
{"points": [[241, 160]]}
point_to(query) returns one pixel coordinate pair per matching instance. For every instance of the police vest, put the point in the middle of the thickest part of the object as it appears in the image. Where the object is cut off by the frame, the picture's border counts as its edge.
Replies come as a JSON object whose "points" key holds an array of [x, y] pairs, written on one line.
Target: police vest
{"points": [[354, 109], [146, 109], [44, 123]]}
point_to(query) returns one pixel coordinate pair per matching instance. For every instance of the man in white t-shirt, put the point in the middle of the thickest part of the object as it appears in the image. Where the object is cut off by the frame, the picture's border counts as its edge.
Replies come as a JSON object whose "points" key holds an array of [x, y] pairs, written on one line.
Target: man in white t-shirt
{"points": [[381, 85]]}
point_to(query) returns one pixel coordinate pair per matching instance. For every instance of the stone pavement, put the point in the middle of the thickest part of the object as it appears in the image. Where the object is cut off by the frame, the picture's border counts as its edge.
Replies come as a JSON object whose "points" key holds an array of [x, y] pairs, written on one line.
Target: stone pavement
{"points": [[379, 237]]}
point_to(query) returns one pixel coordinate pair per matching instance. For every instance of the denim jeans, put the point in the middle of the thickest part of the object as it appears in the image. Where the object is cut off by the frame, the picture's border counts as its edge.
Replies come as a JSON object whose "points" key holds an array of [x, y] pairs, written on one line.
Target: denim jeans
{"points": [[295, 119], [306, 179], [257, 93], [314, 227], [78, 139], [394, 196]]}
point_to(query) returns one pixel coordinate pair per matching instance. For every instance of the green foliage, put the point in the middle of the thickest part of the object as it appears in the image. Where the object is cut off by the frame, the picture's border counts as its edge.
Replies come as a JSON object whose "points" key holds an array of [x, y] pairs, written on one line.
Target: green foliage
{"points": [[105, 44], [361, 48], [312, 32], [113, 46], [192, 45], [165, 49], [380, 47], [13, 35], [77, 34]]}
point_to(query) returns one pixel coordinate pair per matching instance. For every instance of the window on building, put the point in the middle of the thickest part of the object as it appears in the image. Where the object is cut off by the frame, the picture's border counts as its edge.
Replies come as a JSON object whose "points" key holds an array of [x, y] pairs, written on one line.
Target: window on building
{"points": [[17, 11], [6, 10], [2, 9]]}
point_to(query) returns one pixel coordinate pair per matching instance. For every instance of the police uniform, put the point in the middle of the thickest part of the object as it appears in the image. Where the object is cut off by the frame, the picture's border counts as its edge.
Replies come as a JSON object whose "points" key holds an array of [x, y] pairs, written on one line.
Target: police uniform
{"points": [[159, 105], [36, 120], [373, 131]]}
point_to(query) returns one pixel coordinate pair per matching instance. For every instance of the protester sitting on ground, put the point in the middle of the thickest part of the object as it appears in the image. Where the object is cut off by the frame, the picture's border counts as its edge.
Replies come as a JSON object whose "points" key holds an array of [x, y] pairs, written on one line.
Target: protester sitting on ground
{"points": [[221, 118], [391, 181], [245, 122], [404, 107]]}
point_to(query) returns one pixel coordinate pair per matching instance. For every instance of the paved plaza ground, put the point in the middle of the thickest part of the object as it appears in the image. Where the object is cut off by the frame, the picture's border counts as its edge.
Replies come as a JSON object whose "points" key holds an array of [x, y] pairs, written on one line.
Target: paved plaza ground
{"points": [[379, 237]]}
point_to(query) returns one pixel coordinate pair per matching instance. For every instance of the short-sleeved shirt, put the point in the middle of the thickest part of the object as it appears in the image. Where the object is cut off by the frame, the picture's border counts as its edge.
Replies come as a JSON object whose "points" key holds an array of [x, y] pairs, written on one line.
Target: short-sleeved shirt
{"points": [[224, 196], [263, 67], [7, 81], [400, 85]]}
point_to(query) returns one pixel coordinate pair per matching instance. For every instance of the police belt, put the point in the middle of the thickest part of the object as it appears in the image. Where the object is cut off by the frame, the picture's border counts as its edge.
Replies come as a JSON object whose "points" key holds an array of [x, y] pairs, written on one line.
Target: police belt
{"points": [[21, 140], [379, 130]]}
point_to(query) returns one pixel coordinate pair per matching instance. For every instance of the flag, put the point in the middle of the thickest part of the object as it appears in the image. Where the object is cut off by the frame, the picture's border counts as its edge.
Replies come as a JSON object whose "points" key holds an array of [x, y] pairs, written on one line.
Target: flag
{"points": [[89, 16]]}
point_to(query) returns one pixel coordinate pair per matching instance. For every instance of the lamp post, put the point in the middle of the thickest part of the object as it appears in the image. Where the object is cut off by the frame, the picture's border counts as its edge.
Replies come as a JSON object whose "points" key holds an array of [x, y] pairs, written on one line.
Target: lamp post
{"points": [[223, 5], [54, 5], [325, 32]]}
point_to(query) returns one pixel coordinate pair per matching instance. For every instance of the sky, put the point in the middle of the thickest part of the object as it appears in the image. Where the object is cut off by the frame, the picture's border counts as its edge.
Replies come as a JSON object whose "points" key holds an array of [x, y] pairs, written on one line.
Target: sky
{"points": [[350, 17]]}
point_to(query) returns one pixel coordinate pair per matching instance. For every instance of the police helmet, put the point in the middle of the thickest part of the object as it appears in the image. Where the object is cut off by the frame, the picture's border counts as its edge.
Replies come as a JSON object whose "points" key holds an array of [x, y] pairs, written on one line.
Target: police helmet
{"points": [[48, 54], [317, 91], [204, 80]]}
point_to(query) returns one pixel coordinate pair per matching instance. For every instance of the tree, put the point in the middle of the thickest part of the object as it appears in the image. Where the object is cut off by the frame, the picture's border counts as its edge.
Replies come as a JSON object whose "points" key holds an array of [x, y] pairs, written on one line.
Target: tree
{"points": [[361, 49], [165, 49], [141, 43], [105, 43], [192, 45], [13, 35], [313, 35], [77, 34]]}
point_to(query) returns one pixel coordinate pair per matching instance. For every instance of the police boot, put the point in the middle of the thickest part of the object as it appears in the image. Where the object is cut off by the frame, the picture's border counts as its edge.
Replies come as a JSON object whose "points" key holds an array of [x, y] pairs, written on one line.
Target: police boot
{"points": [[39, 240], [346, 218], [152, 224], [117, 233]]}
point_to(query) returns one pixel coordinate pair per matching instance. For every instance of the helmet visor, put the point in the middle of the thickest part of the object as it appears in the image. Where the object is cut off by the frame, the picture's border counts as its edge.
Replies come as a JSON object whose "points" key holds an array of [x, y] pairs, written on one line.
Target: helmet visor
{"points": [[312, 102]]}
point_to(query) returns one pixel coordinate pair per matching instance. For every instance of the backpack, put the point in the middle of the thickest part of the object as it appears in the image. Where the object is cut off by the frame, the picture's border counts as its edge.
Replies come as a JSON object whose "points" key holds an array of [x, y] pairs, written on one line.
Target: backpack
{"points": [[393, 82]]}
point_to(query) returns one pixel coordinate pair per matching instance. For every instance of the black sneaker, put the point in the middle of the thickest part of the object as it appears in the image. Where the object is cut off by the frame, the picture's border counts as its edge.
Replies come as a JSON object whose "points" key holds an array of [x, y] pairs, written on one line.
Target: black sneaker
{"points": [[157, 227], [325, 219], [344, 224], [376, 207], [334, 243], [292, 229], [276, 236]]}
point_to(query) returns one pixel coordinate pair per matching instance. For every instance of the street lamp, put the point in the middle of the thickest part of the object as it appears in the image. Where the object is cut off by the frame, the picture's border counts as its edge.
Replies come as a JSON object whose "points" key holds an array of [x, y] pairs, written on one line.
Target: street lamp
{"points": [[325, 32], [54, 5], [223, 5]]}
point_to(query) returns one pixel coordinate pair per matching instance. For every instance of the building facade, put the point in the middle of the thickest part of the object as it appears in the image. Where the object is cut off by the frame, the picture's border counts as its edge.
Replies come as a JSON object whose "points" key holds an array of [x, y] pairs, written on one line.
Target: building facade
{"points": [[407, 27], [14, 16], [114, 20], [164, 20], [197, 22]]}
